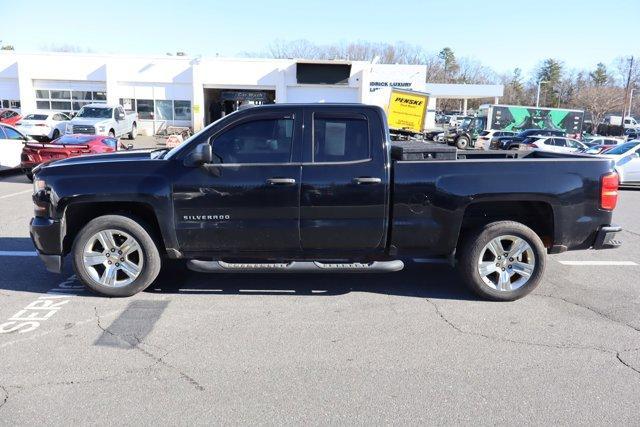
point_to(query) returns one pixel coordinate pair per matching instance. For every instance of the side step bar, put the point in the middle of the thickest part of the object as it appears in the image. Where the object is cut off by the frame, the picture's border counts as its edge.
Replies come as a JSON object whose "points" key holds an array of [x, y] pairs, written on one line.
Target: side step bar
{"points": [[294, 267]]}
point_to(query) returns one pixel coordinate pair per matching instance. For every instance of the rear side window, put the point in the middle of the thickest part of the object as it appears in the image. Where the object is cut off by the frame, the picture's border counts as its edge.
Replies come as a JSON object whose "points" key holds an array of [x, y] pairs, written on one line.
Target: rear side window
{"points": [[258, 141], [486, 132], [340, 139]]}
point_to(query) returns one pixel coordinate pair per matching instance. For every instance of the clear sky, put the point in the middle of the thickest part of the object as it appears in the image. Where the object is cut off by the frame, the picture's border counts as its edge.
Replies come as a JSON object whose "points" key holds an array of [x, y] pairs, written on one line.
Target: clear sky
{"points": [[500, 33]]}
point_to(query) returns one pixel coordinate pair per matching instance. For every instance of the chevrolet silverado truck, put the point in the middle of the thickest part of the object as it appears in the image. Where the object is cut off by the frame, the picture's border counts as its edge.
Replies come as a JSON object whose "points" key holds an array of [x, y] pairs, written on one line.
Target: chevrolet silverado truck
{"points": [[318, 188], [106, 120]]}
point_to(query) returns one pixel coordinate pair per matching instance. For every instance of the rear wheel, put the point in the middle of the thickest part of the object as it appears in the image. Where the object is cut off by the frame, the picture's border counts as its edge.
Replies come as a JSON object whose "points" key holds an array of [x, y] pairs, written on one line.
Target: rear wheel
{"points": [[462, 142], [134, 132], [112, 134], [114, 255], [503, 261]]}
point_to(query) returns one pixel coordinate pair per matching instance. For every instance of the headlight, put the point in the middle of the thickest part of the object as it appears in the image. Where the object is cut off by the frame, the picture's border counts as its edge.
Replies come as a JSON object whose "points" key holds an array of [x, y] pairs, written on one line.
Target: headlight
{"points": [[39, 185], [68, 128], [101, 128]]}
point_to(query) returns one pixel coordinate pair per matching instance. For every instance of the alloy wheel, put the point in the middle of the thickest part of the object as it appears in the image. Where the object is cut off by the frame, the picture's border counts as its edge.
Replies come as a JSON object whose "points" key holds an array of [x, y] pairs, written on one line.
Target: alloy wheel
{"points": [[506, 263], [113, 258]]}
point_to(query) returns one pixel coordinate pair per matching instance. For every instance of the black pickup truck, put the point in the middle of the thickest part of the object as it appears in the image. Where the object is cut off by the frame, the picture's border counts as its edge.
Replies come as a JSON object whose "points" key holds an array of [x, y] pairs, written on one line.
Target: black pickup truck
{"points": [[318, 187]]}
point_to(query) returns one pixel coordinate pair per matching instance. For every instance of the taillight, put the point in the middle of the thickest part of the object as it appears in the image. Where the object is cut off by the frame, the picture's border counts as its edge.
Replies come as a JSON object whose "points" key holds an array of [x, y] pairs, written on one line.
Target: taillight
{"points": [[18, 124], [609, 191], [534, 146]]}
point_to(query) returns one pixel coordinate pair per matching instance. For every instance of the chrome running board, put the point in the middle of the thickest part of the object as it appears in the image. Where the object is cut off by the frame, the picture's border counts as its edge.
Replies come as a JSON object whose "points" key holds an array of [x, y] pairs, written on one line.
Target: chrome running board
{"points": [[294, 267]]}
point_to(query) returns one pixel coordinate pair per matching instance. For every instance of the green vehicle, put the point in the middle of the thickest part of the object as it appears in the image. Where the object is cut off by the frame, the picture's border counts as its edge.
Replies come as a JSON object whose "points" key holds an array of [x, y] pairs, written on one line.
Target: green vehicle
{"points": [[516, 118]]}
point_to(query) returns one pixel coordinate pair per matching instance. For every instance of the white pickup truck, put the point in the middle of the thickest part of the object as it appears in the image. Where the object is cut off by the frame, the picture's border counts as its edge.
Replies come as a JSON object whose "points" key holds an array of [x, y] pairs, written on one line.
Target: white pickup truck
{"points": [[104, 119]]}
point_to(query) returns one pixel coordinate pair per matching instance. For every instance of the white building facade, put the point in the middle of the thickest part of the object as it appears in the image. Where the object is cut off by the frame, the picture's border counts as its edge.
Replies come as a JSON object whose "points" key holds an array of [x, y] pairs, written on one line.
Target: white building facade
{"points": [[183, 91]]}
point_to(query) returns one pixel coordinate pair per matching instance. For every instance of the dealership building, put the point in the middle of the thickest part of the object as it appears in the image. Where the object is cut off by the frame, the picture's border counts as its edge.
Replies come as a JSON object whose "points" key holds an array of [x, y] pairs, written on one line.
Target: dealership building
{"points": [[194, 91]]}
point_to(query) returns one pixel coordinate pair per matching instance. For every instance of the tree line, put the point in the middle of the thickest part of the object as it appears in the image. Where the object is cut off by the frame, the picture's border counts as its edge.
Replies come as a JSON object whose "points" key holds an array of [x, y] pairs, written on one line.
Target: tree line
{"points": [[599, 92]]}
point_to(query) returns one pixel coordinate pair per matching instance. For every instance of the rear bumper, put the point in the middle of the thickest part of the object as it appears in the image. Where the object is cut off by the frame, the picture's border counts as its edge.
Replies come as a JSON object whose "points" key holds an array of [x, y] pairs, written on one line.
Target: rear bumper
{"points": [[606, 237], [46, 235]]}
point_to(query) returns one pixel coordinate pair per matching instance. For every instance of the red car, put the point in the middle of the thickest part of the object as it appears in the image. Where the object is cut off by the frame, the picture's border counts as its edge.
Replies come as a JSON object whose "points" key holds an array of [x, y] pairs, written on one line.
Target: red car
{"points": [[66, 146], [9, 117]]}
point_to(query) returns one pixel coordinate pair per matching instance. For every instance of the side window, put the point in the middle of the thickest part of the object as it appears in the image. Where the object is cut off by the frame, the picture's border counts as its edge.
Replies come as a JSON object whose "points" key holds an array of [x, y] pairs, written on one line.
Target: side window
{"points": [[2, 135], [549, 141], [13, 134], [258, 141], [340, 139]]}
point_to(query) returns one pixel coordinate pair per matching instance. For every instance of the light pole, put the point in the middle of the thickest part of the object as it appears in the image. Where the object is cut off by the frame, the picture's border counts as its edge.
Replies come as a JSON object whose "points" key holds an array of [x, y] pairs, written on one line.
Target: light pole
{"points": [[630, 102], [538, 95]]}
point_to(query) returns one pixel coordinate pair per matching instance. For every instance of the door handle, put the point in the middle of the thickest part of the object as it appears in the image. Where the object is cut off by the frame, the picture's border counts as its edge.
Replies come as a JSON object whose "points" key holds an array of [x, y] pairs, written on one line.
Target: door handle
{"points": [[281, 181], [367, 180]]}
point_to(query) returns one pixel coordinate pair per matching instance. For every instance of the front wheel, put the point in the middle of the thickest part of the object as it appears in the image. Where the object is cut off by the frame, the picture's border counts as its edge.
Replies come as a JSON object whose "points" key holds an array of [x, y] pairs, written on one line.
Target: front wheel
{"points": [[114, 255], [503, 261], [55, 135]]}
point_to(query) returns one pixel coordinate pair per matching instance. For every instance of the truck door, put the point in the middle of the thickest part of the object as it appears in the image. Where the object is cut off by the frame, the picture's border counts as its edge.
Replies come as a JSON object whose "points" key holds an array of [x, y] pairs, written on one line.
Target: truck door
{"points": [[248, 200], [343, 206], [121, 123]]}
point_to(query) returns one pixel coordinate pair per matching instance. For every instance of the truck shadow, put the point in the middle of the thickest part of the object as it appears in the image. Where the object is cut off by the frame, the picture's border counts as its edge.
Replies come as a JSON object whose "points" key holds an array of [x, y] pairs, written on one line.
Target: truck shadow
{"points": [[416, 280], [26, 273]]}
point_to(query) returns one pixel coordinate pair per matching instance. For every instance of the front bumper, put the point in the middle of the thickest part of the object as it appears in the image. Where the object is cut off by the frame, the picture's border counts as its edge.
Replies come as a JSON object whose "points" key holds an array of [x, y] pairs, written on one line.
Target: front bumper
{"points": [[46, 235], [605, 237]]}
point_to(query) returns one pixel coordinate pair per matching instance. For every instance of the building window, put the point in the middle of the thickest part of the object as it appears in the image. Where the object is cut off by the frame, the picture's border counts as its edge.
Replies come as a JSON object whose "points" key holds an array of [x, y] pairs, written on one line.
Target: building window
{"points": [[10, 103], [164, 110], [182, 110], [145, 109], [159, 109]]}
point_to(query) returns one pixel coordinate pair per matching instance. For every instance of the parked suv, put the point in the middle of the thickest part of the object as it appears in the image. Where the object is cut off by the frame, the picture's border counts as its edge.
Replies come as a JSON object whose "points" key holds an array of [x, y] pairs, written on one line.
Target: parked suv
{"points": [[554, 144], [505, 142]]}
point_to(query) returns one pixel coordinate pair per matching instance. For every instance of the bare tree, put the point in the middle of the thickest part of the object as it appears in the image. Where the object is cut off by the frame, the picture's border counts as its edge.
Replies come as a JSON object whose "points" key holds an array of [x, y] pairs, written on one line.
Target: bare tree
{"points": [[599, 101]]}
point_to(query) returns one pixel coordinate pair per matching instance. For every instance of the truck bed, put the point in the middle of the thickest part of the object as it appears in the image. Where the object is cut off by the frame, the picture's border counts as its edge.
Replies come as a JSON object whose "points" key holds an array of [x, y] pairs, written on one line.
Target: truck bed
{"points": [[432, 197]]}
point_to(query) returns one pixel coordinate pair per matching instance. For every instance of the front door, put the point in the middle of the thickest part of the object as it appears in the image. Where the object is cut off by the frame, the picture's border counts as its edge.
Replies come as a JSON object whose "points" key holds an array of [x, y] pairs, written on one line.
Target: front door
{"points": [[248, 200], [11, 144], [344, 183]]}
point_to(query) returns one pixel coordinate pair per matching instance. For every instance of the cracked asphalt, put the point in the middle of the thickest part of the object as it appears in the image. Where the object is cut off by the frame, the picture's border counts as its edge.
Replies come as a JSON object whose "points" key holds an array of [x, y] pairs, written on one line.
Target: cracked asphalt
{"points": [[405, 348]]}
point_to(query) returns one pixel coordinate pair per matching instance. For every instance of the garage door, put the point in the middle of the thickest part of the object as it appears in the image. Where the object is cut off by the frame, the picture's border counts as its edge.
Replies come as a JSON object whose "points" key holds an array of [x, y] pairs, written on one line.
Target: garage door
{"points": [[68, 96]]}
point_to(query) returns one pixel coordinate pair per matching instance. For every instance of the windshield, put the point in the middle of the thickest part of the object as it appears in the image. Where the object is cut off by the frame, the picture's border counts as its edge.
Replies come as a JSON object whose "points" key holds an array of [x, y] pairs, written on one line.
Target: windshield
{"points": [[95, 113], [35, 117], [74, 140], [621, 149]]}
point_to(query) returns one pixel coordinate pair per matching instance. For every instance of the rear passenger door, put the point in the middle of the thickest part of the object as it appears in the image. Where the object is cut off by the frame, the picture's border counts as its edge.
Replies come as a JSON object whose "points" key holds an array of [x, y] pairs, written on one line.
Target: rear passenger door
{"points": [[343, 205]]}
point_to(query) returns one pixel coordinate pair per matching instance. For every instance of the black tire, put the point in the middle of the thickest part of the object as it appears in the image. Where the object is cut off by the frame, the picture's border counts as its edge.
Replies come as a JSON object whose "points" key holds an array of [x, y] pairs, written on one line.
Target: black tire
{"points": [[152, 261], [462, 143], [472, 249], [134, 131], [55, 135], [112, 133]]}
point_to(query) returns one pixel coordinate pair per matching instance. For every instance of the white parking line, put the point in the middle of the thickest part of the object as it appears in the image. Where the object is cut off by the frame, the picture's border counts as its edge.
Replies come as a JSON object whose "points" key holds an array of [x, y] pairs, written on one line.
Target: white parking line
{"points": [[16, 194], [596, 263], [18, 253]]}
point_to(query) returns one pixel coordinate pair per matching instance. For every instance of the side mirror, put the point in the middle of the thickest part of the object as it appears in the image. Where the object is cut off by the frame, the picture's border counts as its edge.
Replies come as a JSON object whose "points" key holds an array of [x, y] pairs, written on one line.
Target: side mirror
{"points": [[201, 155], [129, 146], [119, 116]]}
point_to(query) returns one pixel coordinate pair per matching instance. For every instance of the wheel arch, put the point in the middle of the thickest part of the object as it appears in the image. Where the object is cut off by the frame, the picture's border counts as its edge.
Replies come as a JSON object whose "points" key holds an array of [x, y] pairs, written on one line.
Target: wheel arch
{"points": [[78, 214], [535, 214]]}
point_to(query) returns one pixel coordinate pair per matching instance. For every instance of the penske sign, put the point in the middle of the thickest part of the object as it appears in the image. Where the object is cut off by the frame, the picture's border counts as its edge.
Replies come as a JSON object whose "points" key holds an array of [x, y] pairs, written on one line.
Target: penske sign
{"points": [[406, 110]]}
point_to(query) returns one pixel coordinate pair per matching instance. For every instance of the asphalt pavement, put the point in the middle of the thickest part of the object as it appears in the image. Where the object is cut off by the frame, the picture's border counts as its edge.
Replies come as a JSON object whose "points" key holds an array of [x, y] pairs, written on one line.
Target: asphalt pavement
{"points": [[403, 348]]}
